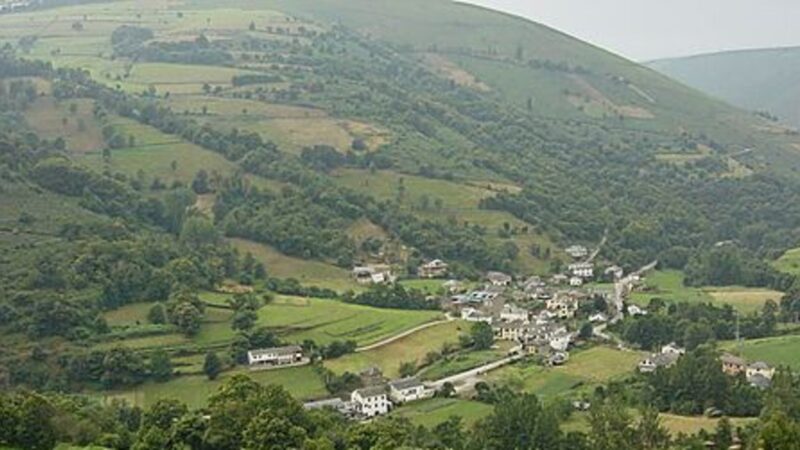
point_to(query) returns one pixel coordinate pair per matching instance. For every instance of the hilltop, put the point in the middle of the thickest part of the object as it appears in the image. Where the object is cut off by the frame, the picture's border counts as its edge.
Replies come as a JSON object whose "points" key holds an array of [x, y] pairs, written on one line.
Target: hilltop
{"points": [[762, 80]]}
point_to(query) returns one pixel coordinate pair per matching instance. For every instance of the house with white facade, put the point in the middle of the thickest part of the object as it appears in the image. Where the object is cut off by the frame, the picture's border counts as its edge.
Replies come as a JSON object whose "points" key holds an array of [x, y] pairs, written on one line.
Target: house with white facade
{"points": [[656, 360], [408, 390], [577, 251], [576, 281], [760, 368], [674, 349], [513, 313], [276, 356], [371, 401], [582, 270], [474, 315]]}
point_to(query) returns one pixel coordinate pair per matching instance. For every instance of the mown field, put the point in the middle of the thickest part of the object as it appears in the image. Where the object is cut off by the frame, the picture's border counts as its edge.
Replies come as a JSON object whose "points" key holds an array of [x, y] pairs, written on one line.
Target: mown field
{"points": [[585, 368], [430, 413], [409, 348], [673, 423], [668, 286]]}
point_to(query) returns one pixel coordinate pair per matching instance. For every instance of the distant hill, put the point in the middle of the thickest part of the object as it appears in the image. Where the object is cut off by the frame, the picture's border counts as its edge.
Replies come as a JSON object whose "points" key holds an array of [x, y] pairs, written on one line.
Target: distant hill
{"points": [[766, 80]]}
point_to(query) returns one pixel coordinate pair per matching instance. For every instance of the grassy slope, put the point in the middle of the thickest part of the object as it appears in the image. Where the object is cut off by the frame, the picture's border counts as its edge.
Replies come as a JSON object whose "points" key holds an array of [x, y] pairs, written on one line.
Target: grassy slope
{"points": [[302, 382], [778, 351], [789, 262], [410, 348], [329, 320], [459, 201], [313, 273], [435, 411], [589, 367], [766, 79]]}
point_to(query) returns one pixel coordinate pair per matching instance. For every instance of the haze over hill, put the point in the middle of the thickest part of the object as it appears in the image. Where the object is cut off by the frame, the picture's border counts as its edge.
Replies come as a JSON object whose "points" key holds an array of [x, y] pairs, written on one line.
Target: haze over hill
{"points": [[765, 80]]}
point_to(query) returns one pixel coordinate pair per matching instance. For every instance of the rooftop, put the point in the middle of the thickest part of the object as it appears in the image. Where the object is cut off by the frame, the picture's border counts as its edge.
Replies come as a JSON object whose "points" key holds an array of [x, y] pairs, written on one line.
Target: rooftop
{"points": [[372, 391], [405, 383], [280, 351]]}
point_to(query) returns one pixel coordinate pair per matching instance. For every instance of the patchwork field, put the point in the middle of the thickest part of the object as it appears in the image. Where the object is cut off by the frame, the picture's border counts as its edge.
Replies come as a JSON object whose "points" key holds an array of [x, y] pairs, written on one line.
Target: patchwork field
{"points": [[673, 423], [461, 362], [668, 285], [308, 272], [587, 367], [409, 348], [302, 382], [430, 413], [153, 153], [80, 130]]}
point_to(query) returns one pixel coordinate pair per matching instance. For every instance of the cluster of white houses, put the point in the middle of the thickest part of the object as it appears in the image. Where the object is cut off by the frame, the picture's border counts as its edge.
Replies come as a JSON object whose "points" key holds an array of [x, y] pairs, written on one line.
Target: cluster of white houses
{"points": [[758, 373], [376, 399]]}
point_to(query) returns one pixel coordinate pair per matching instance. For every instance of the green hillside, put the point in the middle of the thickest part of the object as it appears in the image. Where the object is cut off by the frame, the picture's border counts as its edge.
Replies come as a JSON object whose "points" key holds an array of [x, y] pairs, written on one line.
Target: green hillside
{"points": [[765, 80]]}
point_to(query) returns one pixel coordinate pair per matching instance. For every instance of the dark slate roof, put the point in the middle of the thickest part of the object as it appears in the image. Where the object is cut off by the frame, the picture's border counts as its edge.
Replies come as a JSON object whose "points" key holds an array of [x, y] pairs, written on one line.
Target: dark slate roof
{"points": [[280, 351], [372, 391], [405, 383]]}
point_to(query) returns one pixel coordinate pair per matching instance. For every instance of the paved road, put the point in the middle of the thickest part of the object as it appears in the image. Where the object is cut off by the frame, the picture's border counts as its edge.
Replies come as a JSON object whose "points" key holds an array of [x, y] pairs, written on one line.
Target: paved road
{"points": [[623, 287], [396, 337], [469, 377]]}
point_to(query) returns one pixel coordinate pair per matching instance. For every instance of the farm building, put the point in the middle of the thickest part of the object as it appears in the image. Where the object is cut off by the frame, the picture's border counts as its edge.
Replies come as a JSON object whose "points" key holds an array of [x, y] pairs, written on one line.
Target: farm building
{"points": [[433, 269], [498, 279], [371, 401], [408, 390], [276, 356]]}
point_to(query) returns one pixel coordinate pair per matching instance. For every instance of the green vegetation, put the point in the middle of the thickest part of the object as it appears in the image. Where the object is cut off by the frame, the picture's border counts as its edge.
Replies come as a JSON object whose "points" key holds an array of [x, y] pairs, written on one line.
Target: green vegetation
{"points": [[324, 321], [195, 390], [585, 369], [430, 413], [669, 286], [777, 351]]}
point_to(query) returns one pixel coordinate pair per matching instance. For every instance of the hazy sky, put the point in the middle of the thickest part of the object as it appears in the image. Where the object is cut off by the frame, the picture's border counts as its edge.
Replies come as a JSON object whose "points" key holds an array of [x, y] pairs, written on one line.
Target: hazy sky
{"points": [[650, 29]]}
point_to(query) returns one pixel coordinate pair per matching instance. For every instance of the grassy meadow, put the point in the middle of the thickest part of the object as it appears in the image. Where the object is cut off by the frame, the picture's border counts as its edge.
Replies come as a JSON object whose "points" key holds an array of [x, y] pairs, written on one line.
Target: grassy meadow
{"points": [[777, 351], [308, 272], [668, 286], [434, 411], [590, 367], [302, 382], [410, 348]]}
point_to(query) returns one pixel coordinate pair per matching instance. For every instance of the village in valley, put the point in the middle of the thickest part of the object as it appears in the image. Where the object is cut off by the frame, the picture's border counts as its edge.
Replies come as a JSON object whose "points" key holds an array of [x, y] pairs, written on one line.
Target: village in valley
{"points": [[535, 318]]}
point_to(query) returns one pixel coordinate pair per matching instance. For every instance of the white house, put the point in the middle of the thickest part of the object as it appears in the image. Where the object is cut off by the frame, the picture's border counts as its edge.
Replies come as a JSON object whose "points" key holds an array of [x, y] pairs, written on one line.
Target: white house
{"points": [[473, 315], [577, 251], [512, 313], [371, 401], [498, 279], [408, 390], [654, 361], [760, 368], [598, 318], [433, 269], [583, 270], [276, 356], [634, 310], [673, 349], [576, 281]]}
